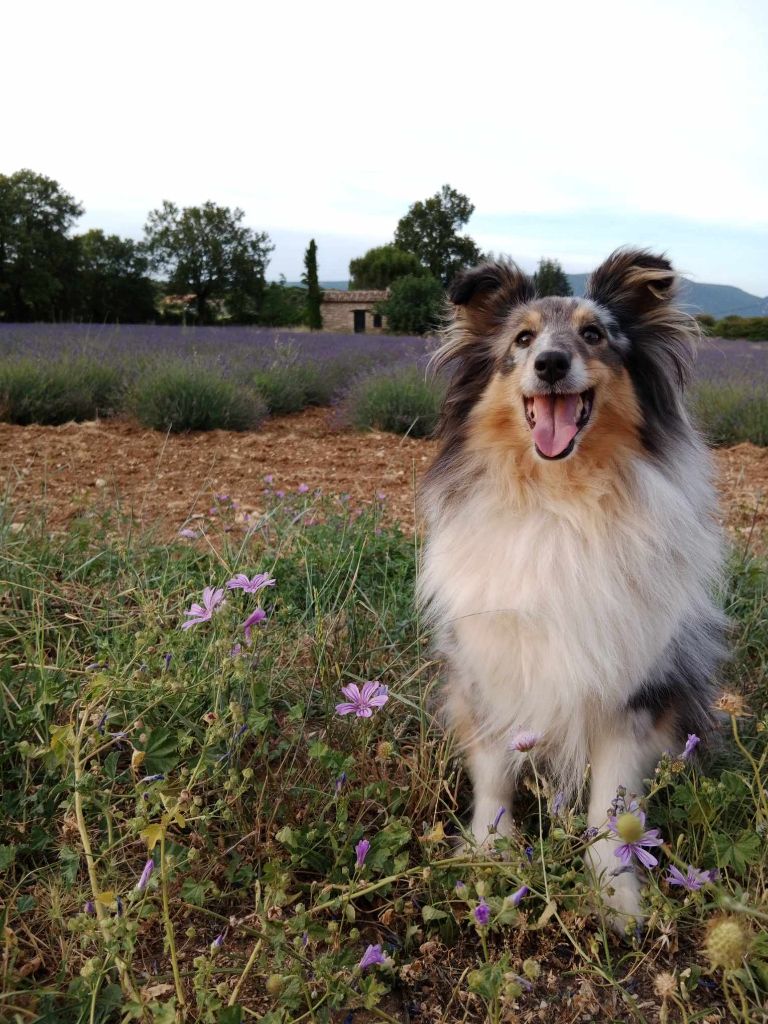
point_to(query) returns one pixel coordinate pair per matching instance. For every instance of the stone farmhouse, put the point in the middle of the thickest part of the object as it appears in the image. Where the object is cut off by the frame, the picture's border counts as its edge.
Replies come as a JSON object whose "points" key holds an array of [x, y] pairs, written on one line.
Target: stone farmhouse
{"points": [[353, 312]]}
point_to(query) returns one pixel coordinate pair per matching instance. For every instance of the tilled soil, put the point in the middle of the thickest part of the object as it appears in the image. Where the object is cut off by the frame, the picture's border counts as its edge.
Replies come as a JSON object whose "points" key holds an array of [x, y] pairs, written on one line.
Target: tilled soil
{"points": [[169, 481]]}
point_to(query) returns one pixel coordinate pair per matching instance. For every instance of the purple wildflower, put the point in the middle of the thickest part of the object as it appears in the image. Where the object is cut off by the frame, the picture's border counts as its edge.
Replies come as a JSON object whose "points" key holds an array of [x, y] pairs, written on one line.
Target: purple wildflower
{"points": [[519, 895], [257, 615], [146, 874], [90, 907], [499, 815], [372, 955], [690, 745], [268, 478], [361, 850], [524, 741], [202, 613], [482, 913], [692, 880], [218, 942], [362, 702], [302, 488], [528, 851], [252, 586], [280, 494], [152, 778], [340, 782], [167, 659], [461, 889], [235, 650], [189, 534], [630, 826], [221, 497], [557, 803]]}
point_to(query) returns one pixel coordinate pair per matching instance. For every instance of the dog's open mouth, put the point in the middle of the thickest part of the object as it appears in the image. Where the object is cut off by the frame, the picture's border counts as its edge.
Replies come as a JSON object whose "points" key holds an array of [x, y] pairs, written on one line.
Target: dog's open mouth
{"points": [[555, 420]]}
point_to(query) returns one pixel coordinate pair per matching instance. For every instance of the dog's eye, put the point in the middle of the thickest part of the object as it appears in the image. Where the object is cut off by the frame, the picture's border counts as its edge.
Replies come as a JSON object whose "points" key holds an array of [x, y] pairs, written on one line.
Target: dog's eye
{"points": [[592, 335], [524, 338]]}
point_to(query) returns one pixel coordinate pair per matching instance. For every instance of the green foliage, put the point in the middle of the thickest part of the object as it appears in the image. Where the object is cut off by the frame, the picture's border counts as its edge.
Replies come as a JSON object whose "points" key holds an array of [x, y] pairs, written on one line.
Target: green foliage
{"points": [[252, 794], [36, 391], [206, 250], [289, 384], [430, 230], [729, 412], [414, 306], [37, 257], [314, 295], [754, 328], [180, 397], [282, 306], [379, 267], [111, 284], [550, 279], [400, 400]]}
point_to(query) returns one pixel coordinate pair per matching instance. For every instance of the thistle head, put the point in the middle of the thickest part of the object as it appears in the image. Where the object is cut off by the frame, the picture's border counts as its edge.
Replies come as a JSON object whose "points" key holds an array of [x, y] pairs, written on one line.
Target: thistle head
{"points": [[629, 827], [726, 943]]}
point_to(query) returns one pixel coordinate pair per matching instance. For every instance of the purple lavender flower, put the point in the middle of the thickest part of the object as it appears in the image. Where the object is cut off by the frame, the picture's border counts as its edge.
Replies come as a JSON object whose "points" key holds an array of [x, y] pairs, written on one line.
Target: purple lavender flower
{"points": [[630, 826], [268, 478], [519, 895], [361, 850], [372, 955], [692, 880], [189, 534], [257, 615], [362, 702], [280, 494], [212, 599], [690, 745], [302, 488], [146, 874], [482, 913], [250, 586], [524, 741]]}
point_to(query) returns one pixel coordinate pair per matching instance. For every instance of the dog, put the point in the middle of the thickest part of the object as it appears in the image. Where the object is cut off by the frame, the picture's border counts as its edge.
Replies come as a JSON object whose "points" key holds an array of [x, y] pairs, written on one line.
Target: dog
{"points": [[571, 549]]}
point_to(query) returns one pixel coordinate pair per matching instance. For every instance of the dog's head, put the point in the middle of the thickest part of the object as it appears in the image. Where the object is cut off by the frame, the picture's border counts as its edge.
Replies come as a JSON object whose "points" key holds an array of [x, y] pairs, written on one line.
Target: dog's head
{"points": [[566, 375]]}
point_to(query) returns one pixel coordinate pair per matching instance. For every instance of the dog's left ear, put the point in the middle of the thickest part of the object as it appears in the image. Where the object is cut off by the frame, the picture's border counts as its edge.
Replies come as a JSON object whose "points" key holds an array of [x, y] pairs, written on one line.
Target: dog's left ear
{"points": [[483, 297], [633, 284]]}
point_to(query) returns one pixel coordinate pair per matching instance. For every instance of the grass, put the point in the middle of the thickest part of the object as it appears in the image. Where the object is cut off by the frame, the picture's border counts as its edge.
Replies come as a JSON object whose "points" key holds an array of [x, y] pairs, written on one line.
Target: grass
{"points": [[401, 400], [125, 737]]}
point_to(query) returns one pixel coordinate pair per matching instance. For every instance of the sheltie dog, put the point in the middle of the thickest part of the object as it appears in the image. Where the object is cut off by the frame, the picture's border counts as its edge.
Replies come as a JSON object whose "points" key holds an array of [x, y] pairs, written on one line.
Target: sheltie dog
{"points": [[571, 548]]}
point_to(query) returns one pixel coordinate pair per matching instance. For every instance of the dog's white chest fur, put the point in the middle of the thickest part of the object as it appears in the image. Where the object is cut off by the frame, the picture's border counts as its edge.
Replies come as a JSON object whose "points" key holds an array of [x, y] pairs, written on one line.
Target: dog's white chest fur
{"points": [[551, 615]]}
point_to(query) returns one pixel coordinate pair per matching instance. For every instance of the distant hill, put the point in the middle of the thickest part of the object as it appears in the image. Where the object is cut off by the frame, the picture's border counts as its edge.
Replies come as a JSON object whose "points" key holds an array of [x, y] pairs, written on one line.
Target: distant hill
{"points": [[719, 300]]}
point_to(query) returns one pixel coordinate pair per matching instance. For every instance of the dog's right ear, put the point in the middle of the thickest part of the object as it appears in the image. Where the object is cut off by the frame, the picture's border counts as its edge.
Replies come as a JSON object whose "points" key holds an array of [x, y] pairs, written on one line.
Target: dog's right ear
{"points": [[483, 297]]}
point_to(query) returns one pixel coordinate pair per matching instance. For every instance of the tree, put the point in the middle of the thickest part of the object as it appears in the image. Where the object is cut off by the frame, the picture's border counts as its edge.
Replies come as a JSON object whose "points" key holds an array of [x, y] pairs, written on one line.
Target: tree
{"points": [[207, 250], [550, 279], [379, 267], [37, 256], [414, 305], [314, 296], [283, 306], [430, 231], [112, 282]]}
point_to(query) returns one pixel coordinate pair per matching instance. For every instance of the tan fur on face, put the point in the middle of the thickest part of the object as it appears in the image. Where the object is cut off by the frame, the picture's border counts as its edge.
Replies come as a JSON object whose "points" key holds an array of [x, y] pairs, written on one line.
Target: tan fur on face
{"points": [[498, 430]]}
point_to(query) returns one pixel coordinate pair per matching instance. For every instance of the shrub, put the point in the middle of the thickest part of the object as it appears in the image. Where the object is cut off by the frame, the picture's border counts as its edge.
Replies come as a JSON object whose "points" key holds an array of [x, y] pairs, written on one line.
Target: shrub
{"points": [[289, 384], [730, 412], [35, 391], [181, 397], [754, 328], [399, 400], [414, 305]]}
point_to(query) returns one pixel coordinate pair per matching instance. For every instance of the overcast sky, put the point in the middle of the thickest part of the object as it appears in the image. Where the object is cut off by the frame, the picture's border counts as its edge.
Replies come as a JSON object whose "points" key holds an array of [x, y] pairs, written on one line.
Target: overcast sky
{"points": [[573, 127]]}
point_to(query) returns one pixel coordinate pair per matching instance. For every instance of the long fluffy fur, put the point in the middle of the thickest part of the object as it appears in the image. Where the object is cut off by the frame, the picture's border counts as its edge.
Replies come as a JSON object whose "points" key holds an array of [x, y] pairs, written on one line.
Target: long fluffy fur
{"points": [[573, 599]]}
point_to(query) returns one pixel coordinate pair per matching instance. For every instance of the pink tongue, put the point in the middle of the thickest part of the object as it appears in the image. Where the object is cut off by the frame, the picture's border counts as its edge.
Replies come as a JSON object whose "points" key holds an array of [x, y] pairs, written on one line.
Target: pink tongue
{"points": [[555, 423]]}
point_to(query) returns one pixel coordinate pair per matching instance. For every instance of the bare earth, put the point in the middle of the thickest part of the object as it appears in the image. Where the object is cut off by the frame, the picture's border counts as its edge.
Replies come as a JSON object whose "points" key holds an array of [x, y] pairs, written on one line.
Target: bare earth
{"points": [[169, 481]]}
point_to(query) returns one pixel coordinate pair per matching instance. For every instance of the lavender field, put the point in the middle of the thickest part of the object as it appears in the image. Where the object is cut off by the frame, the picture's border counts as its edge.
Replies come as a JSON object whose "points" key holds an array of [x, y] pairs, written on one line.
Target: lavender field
{"points": [[185, 378]]}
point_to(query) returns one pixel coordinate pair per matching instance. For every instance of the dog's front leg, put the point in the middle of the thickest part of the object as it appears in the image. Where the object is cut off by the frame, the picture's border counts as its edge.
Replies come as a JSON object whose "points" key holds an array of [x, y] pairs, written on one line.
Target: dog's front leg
{"points": [[623, 755], [489, 762]]}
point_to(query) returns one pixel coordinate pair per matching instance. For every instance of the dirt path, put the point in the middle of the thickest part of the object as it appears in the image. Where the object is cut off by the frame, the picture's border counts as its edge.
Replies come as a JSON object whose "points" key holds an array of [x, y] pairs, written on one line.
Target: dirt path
{"points": [[168, 480]]}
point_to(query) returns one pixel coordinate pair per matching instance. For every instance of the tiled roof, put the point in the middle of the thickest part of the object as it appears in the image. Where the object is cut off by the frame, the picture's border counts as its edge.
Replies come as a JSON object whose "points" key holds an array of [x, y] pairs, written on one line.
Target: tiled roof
{"points": [[337, 295]]}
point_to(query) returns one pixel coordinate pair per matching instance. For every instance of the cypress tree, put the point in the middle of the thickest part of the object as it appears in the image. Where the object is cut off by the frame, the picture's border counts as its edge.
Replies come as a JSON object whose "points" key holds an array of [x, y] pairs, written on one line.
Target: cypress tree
{"points": [[314, 295]]}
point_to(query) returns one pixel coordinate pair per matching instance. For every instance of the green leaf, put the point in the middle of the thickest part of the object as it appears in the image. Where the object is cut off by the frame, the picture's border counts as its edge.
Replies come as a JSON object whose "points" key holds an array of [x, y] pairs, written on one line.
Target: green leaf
{"points": [[195, 892], [230, 1015], [7, 857], [432, 914], [737, 853], [70, 861], [161, 752]]}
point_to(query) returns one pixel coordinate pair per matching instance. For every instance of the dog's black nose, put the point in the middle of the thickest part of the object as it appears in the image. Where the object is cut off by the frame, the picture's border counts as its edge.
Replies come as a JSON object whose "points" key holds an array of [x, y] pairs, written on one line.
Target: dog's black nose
{"points": [[552, 365]]}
